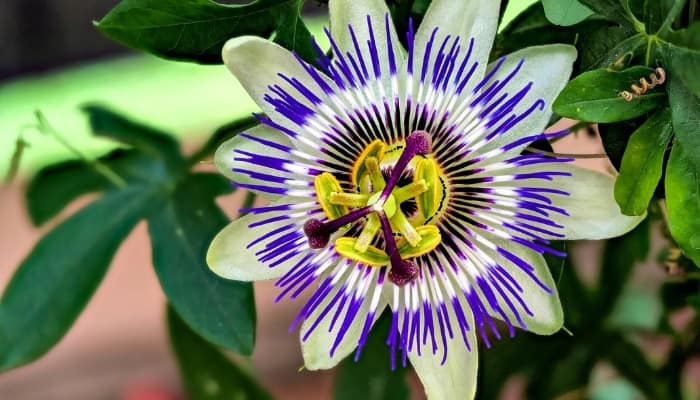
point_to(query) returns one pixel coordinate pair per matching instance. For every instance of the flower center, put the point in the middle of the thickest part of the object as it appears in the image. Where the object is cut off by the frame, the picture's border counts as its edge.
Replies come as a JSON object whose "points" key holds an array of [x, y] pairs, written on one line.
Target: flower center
{"points": [[378, 201]]}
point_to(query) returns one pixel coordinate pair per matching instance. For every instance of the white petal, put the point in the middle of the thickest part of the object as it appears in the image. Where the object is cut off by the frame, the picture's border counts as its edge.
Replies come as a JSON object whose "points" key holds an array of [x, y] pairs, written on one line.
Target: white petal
{"points": [[548, 316], [316, 348], [456, 378], [548, 68], [225, 160], [257, 63], [593, 211], [466, 19], [354, 13], [229, 258]]}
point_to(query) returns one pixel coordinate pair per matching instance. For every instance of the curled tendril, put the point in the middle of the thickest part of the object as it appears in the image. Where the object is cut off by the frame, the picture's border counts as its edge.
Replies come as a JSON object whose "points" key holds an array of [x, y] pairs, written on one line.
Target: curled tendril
{"points": [[658, 77]]}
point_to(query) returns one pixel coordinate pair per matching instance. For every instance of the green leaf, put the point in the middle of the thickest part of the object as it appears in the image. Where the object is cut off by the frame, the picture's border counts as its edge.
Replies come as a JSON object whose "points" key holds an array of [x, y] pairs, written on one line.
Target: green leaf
{"points": [[565, 12], [683, 63], [642, 164], [401, 12], [371, 378], [206, 373], [660, 14], [594, 96], [222, 311], [683, 201], [610, 9], [615, 137], [54, 187], [196, 30], [531, 28], [293, 34], [685, 113], [53, 284], [107, 123], [609, 47], [688, 37]]}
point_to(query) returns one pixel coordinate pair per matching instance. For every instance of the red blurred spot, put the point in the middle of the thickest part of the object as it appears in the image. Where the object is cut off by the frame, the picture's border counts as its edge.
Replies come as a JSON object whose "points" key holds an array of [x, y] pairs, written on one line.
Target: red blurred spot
{"points": [[149, 391]]}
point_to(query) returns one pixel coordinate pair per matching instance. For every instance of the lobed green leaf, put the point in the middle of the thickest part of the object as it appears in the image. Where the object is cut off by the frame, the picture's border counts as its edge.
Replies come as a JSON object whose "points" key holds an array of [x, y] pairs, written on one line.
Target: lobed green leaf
{"points": [[594, 96], [612, 10], [609, 47], [148, 140], [54, 187], [54, 283], [196, 30], [683, 63], [642, 164], [658, 15], [370, 378], [683, 200], [532, 28], [615, 137], [565, 12], [208, 374], [685, 114], [220, 310]]}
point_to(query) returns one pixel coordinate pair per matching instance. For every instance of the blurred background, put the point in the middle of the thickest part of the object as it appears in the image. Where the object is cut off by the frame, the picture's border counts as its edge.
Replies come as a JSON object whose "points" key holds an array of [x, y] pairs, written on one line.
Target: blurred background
{"points": [[53, 60]]}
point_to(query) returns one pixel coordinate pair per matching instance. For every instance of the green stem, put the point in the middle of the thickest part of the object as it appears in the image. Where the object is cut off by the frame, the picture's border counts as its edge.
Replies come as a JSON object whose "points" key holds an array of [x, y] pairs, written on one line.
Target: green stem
{"points": [[20, 145], [691, 11], [647, 56], [102, 169], [638, 25]]}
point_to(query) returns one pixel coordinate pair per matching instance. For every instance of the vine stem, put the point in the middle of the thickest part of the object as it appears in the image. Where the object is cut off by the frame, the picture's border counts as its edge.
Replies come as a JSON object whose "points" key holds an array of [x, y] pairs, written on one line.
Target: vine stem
{"points": [[45, 128], [573, 155]]}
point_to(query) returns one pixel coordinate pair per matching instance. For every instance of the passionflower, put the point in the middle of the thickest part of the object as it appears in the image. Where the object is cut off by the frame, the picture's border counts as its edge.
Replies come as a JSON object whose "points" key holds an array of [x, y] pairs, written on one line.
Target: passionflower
{"points": [[403, 177]]}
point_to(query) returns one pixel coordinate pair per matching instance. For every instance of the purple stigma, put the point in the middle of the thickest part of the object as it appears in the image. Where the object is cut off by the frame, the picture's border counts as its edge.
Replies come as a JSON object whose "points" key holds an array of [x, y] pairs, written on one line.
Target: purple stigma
{"points": [[402, 271], [417, 142], [319, 233]]}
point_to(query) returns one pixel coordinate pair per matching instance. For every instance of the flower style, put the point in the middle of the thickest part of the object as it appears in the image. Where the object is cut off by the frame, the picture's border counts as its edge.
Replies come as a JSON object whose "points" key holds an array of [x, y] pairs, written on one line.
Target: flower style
{"points": [[404, 178]]}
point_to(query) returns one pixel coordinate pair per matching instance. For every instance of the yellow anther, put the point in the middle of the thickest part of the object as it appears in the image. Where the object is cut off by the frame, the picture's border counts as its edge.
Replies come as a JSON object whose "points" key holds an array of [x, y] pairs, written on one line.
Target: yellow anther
{"points": [[375, 149], [430, 239], [375, 174], [345, 246], [400, 222], [409, 191], [368, 233], [349, 199], [325, 184], [429, 201]]}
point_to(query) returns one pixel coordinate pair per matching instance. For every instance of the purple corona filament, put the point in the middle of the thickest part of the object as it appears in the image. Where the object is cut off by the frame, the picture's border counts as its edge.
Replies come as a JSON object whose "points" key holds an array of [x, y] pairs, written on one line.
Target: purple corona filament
{"points": [[497, 205]]}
